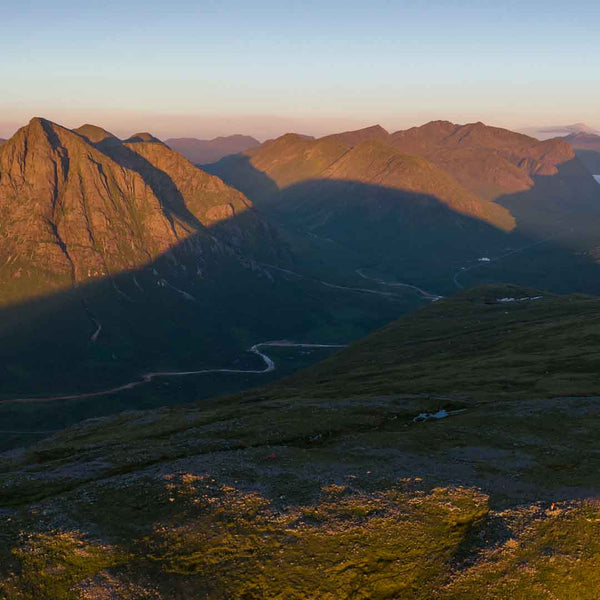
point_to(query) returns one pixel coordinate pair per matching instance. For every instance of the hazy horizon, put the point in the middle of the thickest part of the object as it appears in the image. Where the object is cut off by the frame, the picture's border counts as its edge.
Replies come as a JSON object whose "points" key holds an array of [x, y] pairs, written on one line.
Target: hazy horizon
{"points": [[206, 69], [211, 130]]}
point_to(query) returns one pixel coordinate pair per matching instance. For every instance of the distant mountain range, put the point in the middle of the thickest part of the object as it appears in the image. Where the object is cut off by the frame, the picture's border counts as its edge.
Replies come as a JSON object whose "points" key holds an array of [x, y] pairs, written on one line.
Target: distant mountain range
{"points": [[202, 152], [547, 132]]}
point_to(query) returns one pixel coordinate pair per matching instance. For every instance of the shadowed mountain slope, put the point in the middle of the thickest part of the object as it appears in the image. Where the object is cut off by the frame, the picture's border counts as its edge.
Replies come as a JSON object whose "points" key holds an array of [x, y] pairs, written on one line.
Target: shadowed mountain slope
{"points": [[490, 341], [363, 157], [121, 258], [423, 204], [450, 455], [587, 149], [202, 152]]}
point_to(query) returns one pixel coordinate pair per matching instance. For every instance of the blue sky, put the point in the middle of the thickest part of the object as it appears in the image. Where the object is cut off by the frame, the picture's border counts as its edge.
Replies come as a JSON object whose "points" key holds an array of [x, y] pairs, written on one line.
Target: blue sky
{"points": [[205, 68]]}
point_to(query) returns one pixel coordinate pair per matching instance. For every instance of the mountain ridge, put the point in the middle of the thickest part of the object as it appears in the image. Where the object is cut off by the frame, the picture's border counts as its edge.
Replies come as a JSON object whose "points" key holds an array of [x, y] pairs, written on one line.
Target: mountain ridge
{"points": [[291, 159], [587, 148]]}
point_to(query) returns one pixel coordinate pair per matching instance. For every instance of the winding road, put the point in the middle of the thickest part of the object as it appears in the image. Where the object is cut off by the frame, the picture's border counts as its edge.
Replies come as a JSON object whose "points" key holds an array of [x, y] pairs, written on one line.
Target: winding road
{"points": [[331, 285], [424, 294], [148, 377], [269, 363]]}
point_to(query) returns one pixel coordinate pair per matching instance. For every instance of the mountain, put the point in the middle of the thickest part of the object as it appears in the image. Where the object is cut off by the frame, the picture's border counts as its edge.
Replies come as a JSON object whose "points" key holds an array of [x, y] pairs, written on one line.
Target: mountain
{"points": [[354, 138], [379, 202], [202, 152], [78, 208], [587, 148], [449, 455], [121, 257], [548, 132], [95, 134], [422, 204], [487, 160], [584, 141], [543, 184]]}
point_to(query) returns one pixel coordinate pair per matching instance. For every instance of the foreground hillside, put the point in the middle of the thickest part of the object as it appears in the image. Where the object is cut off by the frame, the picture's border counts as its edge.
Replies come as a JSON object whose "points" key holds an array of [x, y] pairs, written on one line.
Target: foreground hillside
{"points": [[449, 455]]}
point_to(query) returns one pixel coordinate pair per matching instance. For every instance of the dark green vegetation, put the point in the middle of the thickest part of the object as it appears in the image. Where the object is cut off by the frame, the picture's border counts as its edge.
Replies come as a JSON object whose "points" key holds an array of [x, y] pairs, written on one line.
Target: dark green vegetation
{"points": [[504, 341], [24, 423], [323, 485]]}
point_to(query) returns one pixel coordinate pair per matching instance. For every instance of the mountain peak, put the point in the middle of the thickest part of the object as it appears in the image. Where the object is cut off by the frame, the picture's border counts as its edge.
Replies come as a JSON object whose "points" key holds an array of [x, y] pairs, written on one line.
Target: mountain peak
{"points": [[142, 137], [93, 133], [439, 123], [373, 129], [39, 121], [581, 128], [79, 204], [582, 135], [40, 124], [353, 138]]}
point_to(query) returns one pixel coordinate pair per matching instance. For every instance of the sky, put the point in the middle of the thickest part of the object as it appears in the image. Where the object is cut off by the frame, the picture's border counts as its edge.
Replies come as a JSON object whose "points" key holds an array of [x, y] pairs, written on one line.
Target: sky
{"points": [[203, 68]]}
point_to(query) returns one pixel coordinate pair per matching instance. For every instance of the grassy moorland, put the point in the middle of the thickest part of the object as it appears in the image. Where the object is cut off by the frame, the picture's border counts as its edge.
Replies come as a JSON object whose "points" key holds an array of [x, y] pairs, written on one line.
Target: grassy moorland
{"points": [[328, 484]]}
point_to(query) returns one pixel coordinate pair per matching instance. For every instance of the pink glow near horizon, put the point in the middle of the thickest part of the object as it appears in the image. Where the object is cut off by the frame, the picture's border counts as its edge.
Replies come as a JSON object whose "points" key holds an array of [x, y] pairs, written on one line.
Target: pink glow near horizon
{"points": [[262, 127]]}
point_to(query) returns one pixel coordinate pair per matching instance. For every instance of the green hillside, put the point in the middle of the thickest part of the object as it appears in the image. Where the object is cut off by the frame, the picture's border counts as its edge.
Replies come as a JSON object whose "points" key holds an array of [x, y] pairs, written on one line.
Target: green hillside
{"points": [[449, 455]]}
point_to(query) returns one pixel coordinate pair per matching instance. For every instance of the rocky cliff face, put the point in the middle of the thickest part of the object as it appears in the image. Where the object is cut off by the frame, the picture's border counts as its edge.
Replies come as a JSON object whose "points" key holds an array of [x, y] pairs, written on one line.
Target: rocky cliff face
{"points": [[79, 205]]}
